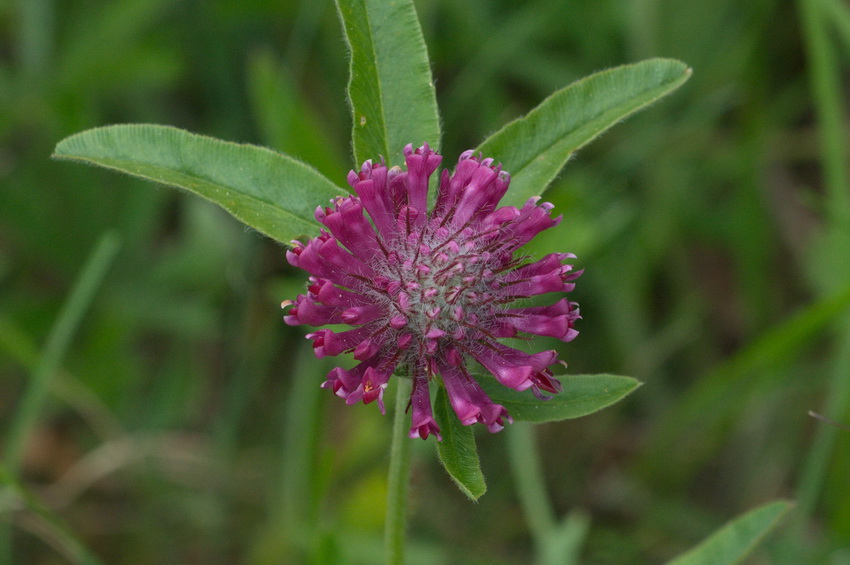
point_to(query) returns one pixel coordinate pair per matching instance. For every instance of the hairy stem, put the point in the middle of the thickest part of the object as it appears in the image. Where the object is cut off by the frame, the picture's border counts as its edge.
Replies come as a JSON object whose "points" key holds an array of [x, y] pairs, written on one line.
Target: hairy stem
{"points": [[399, 477]]}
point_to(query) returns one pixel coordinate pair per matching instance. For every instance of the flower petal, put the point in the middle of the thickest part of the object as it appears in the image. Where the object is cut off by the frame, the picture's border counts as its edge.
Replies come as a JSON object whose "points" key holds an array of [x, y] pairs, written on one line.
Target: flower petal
{"points": [[512, 367], [421, 164], [555, 320], [422, 421], [350, 227], [327, 343], [469, 402]]}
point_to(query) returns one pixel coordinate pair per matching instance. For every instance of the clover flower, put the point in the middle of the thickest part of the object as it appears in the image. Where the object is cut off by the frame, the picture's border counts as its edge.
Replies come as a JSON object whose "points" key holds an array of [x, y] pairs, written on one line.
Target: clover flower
{"points": [[429, 292]]}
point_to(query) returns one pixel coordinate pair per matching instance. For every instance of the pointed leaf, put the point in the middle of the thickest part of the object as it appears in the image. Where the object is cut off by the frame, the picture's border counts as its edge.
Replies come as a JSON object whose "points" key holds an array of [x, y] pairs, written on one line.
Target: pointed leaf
{"points": [[390, 90], [582, 395], [734, 541], [457, 451], [271, 192], [535, 148]]}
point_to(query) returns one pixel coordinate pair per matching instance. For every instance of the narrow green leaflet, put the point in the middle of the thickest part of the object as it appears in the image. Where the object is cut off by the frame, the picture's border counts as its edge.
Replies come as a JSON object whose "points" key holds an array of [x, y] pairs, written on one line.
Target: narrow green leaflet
{"points": [[734, 541], [582, 395], [536, 147], [390, 89], [271, 192], [457, 451]]}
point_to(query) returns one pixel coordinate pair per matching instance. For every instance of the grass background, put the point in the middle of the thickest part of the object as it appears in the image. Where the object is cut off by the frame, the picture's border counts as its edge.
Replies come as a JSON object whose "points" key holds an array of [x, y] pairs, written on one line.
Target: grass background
{"points": [[186, 425]]}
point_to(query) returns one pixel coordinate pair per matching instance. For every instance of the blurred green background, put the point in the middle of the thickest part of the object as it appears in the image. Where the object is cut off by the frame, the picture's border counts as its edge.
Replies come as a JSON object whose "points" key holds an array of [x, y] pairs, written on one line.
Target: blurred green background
{"points": [[186, 424]]}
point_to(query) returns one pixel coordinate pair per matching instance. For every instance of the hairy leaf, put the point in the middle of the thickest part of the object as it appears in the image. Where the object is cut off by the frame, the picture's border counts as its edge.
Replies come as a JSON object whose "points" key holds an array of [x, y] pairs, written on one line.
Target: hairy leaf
{"points": [[271, 192], [457, 451], [536, 147], [390, 88], [582, 395]]}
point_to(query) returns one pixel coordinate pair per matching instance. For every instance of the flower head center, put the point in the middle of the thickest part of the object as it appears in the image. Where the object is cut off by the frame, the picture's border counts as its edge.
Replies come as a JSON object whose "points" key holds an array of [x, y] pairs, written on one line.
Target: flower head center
{"points": [[435, 283]]}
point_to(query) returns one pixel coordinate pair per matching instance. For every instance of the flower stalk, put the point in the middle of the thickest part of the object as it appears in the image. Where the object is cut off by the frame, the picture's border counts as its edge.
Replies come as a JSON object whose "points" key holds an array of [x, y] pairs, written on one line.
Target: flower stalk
{"points": [[399, 478]]}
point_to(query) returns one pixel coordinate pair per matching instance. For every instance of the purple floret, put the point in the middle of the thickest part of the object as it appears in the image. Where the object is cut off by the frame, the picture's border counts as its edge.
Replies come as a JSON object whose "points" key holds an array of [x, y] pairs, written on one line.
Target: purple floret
{"points": [[427, 292]]}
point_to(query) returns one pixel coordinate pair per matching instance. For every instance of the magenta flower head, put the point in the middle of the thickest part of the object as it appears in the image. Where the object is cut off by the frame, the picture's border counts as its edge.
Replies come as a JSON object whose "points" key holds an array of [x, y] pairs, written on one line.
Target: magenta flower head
{"points": [[428, 293]]}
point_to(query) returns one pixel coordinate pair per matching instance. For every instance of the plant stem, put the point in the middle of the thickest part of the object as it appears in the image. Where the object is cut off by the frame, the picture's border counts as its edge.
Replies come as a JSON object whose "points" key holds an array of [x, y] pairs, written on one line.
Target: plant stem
{"points": [[399, 477]]}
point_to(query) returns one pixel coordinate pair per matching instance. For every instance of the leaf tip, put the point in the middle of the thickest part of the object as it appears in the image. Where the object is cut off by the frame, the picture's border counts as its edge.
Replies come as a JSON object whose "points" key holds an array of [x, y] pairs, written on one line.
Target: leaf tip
{"points": [[473, 496]]}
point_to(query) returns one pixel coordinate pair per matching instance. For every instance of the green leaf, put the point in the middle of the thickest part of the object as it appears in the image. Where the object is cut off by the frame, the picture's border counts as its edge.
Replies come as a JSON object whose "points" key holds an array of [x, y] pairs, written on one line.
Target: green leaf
{"points": [[390, 90], [536, 147], [582, 395], [271, 192], [457, 451], [734, 541]]}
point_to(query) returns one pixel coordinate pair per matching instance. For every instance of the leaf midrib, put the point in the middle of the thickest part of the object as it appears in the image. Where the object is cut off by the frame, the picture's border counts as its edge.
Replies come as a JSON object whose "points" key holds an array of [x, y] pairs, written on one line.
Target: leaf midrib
{"points": [[382, 102]]}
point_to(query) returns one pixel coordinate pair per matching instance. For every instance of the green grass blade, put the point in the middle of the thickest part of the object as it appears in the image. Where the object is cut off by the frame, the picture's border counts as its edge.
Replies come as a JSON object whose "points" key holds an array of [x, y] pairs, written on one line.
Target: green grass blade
{"points": [[827, 92], [582, 395], [43, 522], [271, 192], [734, 541], [56, 346], [829, 269], [535, 148], [457, 451], [390, 88], [700, 414]]}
